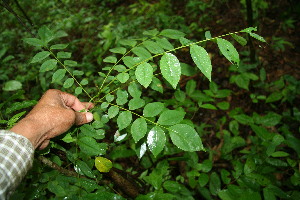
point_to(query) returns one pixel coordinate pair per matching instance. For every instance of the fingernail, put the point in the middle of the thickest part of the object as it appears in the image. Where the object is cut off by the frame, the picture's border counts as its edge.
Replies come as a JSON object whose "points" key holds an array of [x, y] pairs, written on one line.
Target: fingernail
{"points": [[89, 116]]}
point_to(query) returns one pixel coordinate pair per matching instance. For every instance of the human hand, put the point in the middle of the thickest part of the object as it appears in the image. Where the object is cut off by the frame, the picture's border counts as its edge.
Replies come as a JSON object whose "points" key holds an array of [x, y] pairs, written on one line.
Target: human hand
{"points": [[53, 115]]}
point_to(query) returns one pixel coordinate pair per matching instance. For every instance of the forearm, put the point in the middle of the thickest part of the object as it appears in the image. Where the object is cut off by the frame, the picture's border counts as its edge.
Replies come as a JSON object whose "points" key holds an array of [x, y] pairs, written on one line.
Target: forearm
{"points": [[16, 157]]}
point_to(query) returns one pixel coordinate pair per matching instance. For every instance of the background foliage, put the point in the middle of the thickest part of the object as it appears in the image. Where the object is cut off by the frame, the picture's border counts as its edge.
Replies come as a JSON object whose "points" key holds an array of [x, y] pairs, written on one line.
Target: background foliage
{"points": [[247, 116]]}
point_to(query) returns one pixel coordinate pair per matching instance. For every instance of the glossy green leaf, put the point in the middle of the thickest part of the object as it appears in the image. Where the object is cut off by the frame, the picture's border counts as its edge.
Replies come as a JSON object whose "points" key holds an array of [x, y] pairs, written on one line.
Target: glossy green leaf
{"points": [[122, 97], [173, 34], [40, 56], [258, 37], [170, 117], [225, 176], [119, 50], [144, 74], [203, 179], [136, 103], [170, 68], [34, 42], [103, 164], [63, 54], [138, 129], [12, 85], [110, 59], [113, 111], [141, 52], [153, 109], [48, 65], [228, 50], [156, 140], [68, 83], [59, 46], [124, 119], [123, 77], [185, 138], [153, 47], [90, 146], [202, 60], [84, 168], [58, 75]]}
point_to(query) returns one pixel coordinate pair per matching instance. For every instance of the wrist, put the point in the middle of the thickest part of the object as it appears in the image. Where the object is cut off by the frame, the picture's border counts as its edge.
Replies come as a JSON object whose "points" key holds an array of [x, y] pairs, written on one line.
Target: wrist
{"points": [[30, 129]]}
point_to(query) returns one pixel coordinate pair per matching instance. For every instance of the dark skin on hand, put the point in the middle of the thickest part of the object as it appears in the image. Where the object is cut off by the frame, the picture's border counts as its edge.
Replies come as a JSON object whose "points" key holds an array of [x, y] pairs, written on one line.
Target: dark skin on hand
{"points": [[53, 115]]}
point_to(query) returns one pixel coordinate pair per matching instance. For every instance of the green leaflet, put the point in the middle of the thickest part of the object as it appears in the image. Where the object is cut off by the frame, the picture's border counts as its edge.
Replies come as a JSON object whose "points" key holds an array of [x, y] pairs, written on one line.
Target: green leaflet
{"points": [[90, 146], [110, 59], [138, 129], [12, 85], [59, 46], [202, 60], [134, 90], [45, 34], [153, 109], [157, 85], [123, 77], [78, 90], [58, 75], [141, 52], [68, 83], [84, 168], [239, 39], [156, 140], [63, 54], [229, 51], [34, 42], [185, 138], [128, 42], [173, 34], [103, 164], [40, 56], [70, 63], [170, 68], [119, 50], [164, 43], [131, 61], [113, 111], [170, 117], [153, 47], [124, 119], [122, 97], [144, 74], [136, 103], [214, 183], [48, 65]]}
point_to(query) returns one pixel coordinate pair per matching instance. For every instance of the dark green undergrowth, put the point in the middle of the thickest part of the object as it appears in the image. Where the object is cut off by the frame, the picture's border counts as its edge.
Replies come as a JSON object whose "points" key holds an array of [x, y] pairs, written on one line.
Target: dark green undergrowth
{"points": [[180, 111]]}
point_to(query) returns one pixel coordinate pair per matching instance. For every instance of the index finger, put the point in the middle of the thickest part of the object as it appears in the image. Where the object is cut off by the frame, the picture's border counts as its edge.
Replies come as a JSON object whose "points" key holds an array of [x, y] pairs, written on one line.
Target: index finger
{"points": [[72, 102]]}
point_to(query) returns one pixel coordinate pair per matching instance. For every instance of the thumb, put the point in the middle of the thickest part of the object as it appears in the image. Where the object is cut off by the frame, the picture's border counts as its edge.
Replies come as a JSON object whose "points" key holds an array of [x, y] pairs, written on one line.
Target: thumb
{"points": [[83, 117]]}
